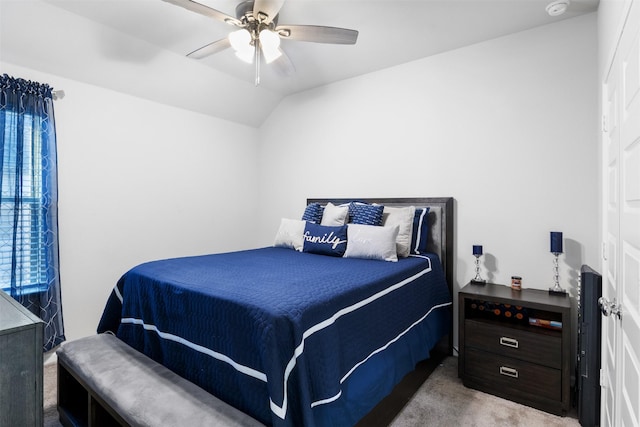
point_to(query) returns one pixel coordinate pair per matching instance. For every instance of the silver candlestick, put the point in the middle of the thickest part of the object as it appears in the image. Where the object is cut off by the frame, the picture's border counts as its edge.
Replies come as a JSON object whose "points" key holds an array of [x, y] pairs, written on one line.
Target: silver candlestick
{"points": [[478, 279], [556, 289]]}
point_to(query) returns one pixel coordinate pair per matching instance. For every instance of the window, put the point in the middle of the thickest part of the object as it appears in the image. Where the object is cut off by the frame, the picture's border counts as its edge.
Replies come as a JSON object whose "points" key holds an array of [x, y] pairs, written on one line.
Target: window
{"points": [[22, 210], [29, 259]]}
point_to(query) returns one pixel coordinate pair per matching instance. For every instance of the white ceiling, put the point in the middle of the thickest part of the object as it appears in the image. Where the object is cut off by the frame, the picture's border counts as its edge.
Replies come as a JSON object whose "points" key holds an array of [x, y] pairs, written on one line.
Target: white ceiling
{"points": [[105, 41]]}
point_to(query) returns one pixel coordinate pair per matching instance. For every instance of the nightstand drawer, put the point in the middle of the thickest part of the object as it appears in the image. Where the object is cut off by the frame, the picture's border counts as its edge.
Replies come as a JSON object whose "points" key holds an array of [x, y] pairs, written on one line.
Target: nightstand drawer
{"points": [[512, 376], [540, 348]]}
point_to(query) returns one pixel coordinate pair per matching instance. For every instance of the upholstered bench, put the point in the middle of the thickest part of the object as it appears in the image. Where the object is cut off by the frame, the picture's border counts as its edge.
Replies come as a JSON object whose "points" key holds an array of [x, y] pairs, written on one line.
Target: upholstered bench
{"points": [[103, 381]]}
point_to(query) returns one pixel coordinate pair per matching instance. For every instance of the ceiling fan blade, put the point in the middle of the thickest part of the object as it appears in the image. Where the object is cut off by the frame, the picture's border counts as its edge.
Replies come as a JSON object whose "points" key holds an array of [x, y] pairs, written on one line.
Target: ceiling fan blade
{"points": [[268, 8], [210, 49], [317, 34], [206, 11], [283, 64]]}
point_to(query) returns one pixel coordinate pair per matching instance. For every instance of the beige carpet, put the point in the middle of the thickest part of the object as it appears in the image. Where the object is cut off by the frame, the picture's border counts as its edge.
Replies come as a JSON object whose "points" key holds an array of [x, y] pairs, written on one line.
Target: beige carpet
{"points": [[50, 386], [442, 401]]}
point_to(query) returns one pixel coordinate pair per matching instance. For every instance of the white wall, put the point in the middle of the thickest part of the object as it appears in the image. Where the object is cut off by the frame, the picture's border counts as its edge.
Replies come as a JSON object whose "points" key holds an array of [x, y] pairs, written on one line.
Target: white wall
{"points": [[140, 181], [507, 127]]}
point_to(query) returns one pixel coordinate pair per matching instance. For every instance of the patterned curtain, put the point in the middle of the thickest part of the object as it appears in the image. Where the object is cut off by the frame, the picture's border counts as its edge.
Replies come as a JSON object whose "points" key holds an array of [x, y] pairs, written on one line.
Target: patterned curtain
{"points": [[29, 203]]}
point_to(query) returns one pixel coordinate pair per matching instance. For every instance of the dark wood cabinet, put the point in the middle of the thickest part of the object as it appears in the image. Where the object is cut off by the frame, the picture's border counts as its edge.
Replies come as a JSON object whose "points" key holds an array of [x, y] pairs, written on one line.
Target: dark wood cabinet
{"points": [[516, 344], [20, 365]]}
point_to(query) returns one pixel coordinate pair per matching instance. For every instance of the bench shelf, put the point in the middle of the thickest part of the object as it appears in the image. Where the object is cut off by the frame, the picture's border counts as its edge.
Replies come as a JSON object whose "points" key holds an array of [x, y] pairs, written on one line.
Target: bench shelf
{"points": [[78, 406]]}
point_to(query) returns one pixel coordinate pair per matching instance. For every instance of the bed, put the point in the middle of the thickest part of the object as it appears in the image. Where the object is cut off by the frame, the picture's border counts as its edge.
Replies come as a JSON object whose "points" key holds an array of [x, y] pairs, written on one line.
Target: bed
{"points": [[296, 337]]}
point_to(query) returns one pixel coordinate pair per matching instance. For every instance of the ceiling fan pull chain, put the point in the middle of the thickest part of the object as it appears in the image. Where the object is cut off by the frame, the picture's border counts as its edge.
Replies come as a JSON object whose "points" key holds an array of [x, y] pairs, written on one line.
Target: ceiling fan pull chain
{"points": [[257, 59]]}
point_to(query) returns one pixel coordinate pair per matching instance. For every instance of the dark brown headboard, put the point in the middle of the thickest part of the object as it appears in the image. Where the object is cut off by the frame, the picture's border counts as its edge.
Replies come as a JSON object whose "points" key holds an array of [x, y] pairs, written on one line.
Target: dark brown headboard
{"points": [[440, 223]]}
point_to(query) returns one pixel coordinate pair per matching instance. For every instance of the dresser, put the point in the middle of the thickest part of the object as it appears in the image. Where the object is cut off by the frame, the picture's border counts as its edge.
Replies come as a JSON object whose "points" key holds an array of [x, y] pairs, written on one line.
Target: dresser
{"points": [[516, 344], [20, 365]]}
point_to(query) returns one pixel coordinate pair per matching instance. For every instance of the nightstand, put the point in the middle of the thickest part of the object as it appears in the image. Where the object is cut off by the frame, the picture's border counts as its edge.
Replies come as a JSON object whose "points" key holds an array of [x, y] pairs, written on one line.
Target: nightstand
{"points": [[516, 345]]}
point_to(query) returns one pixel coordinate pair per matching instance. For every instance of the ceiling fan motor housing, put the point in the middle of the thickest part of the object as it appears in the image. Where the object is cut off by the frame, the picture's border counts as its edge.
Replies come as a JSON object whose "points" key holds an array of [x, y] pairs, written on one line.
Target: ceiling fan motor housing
{"points": [[244, 12]]}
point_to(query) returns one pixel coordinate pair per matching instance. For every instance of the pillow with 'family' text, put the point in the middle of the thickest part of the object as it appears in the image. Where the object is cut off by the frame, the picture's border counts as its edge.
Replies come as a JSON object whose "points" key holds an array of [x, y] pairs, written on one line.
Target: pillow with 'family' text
{"points": [[324, 239]]}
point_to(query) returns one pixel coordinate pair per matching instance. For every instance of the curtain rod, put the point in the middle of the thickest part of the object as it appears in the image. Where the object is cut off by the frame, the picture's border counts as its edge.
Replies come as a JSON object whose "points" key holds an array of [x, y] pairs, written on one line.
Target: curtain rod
{"points": [[57, 94]]}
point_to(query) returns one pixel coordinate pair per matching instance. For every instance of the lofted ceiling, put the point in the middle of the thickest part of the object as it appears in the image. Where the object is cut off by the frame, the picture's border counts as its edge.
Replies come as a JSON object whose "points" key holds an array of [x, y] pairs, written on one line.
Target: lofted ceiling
{"points": [[139, 46]]}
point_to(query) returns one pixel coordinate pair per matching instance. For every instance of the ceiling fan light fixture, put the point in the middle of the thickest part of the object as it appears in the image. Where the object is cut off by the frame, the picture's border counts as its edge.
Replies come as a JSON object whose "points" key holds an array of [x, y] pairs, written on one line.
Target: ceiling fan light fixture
{"points": [[271, 55], [240, 39], [246, 55], [270, 43], [241, 42]]}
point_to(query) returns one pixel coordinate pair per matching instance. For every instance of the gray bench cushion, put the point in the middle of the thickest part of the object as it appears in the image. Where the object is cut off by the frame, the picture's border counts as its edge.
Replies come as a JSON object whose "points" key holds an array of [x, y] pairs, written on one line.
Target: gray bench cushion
{"points": [[140, 390]]}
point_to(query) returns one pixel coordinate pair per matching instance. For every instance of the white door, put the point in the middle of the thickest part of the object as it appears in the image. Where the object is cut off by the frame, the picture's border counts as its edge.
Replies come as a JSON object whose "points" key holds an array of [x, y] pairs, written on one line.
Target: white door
{"points": [[611, 144], [621, 196]]}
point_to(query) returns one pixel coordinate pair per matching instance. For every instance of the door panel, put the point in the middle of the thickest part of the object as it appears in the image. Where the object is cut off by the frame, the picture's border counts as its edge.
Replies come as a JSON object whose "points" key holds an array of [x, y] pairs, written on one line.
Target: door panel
{"points": [[629, 282], [629, 385], [610, 150], [621, 224]]}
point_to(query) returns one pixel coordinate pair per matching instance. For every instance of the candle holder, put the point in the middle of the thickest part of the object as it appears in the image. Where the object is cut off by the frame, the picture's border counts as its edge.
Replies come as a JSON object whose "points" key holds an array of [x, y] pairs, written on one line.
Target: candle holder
{"points": [[556, 289], [477, 252], [556, 250]]}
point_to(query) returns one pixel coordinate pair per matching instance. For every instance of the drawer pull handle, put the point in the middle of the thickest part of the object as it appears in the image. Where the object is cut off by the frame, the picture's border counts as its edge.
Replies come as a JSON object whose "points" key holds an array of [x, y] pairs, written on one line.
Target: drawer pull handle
{"points": [[509, 342], [509, 372]]}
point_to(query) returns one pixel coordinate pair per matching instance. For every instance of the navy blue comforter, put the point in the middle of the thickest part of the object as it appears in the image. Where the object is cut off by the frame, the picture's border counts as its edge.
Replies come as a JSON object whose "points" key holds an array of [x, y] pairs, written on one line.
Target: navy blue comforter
{"points": [[290, 338]]}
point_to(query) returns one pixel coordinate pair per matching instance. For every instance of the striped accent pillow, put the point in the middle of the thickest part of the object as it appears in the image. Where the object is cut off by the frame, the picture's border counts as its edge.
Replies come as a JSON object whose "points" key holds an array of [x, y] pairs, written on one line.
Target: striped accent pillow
{"points": [[420, 234]]}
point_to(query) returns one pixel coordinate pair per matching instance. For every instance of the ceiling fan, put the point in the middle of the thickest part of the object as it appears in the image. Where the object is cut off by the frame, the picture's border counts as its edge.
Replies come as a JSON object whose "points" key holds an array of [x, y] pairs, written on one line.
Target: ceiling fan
{"points": [[258, 33]]}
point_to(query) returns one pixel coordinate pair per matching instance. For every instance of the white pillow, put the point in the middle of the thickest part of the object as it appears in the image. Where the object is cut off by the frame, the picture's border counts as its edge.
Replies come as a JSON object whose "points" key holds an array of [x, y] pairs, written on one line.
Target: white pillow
{"points": [[403, 218], [335, 215], [371, 242], [290, 234]]}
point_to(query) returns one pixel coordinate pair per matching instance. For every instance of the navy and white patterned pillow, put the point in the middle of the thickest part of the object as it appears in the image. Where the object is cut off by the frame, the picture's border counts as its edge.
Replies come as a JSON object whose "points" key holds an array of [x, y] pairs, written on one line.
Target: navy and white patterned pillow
{"points": [[364, 213], [325, 239], [420, 234], [313, 213]]}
